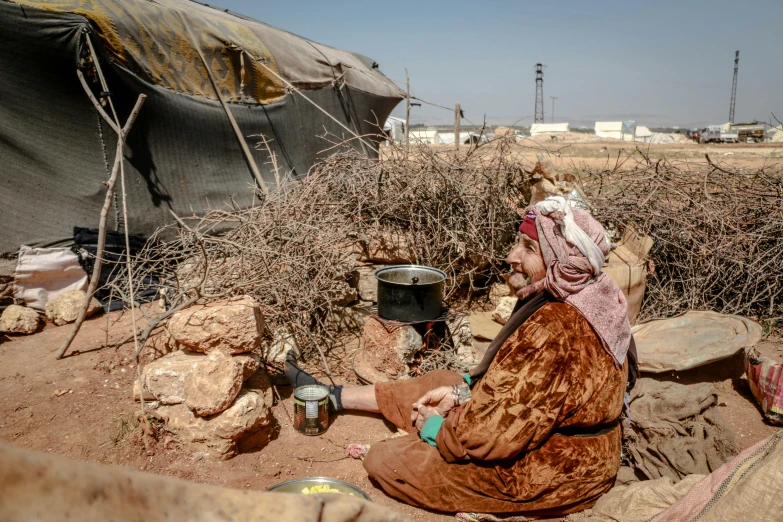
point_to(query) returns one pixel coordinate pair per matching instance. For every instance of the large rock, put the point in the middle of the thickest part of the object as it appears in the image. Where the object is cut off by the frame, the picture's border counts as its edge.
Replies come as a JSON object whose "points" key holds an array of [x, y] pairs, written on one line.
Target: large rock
{"points": [[246, 424], [547, 180], [165, 378], [140, 392], [233, 325], [390, 350], [65, 308], [213, 384], [18, 319], [260, 384], [504, 309], [344, 295], [498, 291], [367, 284]]}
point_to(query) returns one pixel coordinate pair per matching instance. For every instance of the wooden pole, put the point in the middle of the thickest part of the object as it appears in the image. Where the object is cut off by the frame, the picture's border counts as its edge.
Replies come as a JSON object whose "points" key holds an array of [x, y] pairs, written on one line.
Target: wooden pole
{"points": [[407, 109], [96, 269], [242, 143], [116, 126], [457, 118]]}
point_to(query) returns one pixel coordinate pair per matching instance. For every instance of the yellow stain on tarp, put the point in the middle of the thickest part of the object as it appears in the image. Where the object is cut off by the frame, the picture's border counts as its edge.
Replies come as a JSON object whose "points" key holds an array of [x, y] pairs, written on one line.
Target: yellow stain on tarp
{"points": [[150, 40]]}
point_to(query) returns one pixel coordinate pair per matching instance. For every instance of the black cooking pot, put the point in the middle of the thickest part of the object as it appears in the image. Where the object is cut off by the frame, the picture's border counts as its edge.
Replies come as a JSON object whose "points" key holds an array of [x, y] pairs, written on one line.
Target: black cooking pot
{"points": [[410, 293]]}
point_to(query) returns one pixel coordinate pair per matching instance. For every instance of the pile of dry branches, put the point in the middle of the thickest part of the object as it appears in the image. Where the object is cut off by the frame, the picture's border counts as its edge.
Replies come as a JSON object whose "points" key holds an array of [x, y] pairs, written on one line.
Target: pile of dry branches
{"points": [[295, 250], [455, 212], [718, 231]]}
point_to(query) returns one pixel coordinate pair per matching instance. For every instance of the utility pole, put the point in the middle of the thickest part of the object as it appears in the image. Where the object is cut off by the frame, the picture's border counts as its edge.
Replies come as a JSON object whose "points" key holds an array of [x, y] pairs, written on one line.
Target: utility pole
{"points": [[457, 116], [539, 114], [553, 108], [407, 109], [734, 88]]}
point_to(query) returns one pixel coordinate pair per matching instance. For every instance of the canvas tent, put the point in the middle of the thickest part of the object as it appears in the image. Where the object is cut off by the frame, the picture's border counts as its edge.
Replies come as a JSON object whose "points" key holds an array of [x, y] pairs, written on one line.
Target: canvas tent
{"points": [[182, 153]]}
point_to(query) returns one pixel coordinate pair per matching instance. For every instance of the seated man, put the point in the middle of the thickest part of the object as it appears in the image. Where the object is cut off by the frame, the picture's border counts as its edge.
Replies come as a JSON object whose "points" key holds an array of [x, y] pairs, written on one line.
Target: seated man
{"points": [[533, 429]]}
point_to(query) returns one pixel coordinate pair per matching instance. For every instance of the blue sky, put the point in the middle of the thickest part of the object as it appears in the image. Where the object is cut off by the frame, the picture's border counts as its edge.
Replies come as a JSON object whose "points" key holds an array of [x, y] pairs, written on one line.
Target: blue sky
{"points": [[658, 62]]}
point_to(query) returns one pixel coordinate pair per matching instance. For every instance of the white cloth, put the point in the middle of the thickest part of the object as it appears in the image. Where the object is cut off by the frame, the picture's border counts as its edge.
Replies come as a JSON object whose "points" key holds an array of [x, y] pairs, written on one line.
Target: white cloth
{"points": [[42, 274], [571, 231]]}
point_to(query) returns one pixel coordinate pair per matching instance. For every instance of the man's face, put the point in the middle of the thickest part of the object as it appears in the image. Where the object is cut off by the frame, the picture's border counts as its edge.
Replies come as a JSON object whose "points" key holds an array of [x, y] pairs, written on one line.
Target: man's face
{"points": [[526, 262]]}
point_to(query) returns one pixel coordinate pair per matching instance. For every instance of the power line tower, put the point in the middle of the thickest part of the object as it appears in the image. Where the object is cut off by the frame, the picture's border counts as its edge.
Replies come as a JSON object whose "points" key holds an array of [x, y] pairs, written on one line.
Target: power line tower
{"points": [[734, 88], [539, 117]]}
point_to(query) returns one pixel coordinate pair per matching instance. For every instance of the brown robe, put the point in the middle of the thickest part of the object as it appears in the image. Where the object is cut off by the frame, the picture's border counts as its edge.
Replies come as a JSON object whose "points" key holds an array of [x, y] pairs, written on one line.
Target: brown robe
{"points": [[498, 452]]}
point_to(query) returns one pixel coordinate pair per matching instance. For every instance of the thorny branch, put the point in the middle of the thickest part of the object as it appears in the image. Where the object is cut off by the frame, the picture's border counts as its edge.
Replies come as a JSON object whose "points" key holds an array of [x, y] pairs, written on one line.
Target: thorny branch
{"points": [[298, 247], [718, 232]]}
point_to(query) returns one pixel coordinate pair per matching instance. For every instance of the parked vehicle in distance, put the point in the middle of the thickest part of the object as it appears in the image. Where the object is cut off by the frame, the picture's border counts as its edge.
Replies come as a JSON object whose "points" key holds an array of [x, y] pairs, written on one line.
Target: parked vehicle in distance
{"points": [[754, 132], [717, 134]]}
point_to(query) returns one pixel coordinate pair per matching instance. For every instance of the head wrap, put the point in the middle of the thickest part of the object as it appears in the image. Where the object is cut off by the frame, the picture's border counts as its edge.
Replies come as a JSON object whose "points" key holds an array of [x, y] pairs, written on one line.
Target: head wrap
{"points": [[528, 226], [574, 248]]}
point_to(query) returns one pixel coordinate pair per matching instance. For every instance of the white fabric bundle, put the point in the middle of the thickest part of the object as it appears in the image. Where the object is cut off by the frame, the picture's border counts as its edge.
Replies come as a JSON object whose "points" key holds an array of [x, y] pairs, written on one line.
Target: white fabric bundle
{"points": [[571, 231]]}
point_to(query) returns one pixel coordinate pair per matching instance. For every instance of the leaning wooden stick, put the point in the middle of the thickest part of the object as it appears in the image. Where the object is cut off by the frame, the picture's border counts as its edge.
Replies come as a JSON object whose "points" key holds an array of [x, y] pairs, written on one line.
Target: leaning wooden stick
{"points": [[96, 271], [234, 125]]}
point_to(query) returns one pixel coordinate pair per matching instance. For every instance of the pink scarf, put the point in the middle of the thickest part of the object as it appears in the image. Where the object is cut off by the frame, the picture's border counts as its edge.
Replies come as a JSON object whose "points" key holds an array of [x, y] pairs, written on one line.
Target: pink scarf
{"points": [[572, 278]]}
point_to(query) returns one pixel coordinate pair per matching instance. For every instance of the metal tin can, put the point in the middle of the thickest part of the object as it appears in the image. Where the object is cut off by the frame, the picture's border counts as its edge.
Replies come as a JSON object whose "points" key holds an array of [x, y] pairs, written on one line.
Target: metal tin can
{"points": [[311, 409]]}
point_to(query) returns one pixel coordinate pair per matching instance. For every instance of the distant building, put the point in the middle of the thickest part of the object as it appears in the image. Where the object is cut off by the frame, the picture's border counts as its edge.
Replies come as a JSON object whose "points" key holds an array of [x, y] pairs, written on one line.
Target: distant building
{"points": [[548, 128], [447, 138], [618, 130], [426, 137], [394, 129]]}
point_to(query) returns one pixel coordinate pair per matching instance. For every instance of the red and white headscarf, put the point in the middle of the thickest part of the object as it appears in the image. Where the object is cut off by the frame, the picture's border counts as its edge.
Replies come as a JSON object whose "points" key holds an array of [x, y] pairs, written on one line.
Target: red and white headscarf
{"points": [[574, 247]]}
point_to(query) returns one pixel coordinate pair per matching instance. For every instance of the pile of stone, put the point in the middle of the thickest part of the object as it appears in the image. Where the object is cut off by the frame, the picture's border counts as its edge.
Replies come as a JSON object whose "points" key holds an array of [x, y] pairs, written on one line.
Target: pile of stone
{"points": [[63, 309], [212, 393]]}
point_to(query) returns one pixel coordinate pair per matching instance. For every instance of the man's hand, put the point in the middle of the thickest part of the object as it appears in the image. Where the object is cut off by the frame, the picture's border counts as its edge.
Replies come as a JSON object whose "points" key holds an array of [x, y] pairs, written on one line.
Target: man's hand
{"points": [[441, 399], [421, 415]]}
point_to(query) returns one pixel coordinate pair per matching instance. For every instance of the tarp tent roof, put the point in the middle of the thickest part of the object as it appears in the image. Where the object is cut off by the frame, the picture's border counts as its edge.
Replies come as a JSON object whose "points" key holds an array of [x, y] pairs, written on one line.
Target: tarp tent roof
{"points": [[182, 153]]}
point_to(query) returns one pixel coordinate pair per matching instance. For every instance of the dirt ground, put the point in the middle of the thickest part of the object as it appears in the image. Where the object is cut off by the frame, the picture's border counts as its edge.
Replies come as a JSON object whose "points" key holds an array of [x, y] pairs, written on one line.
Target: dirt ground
{"points": [[81, 407], [573, 152], [94, 419]]}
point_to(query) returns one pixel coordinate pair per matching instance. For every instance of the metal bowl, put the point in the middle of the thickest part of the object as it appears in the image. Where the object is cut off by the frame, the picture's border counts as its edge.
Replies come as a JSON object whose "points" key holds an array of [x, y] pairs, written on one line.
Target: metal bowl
{"points": [[297, 485]]}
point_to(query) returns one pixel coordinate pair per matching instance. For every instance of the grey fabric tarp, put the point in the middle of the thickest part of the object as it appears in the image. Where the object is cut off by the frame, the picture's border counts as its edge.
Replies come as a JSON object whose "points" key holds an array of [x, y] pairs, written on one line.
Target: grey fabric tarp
{"points": [[182, 154]]}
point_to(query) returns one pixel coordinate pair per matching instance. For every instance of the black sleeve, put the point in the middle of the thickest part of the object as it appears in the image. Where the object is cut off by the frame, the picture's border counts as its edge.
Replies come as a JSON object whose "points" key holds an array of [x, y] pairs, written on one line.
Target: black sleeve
{"points": [[633, 365]]}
